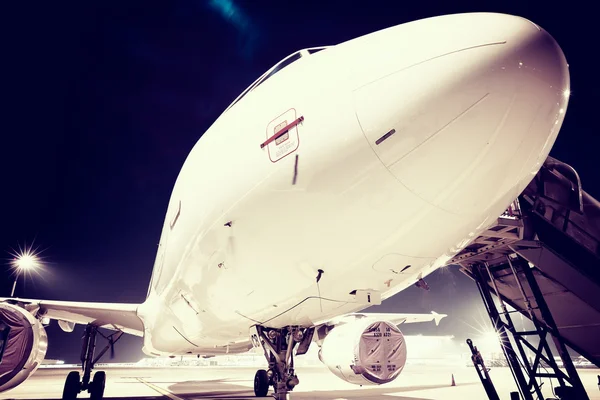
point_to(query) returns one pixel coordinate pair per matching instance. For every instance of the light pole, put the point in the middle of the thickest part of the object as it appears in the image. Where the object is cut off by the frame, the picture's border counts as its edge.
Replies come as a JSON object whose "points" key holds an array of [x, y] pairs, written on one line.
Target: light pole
{"points": [[23, 263]]}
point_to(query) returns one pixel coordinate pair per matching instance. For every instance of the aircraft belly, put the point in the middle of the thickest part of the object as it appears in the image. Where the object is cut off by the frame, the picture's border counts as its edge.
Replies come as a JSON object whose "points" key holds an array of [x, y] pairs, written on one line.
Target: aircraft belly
{"points": [[345, 211], [346, 215]]}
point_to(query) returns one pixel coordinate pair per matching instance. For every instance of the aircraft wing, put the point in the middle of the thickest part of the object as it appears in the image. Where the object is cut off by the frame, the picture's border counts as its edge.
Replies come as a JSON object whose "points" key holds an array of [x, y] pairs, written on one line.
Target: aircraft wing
{"points": [[115, 316], [395, 318]]}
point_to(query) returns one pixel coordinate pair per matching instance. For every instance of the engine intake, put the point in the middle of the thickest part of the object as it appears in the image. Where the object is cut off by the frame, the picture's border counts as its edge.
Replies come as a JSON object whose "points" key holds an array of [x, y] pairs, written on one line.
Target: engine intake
{"points": [[365, 352], [23, 344]]}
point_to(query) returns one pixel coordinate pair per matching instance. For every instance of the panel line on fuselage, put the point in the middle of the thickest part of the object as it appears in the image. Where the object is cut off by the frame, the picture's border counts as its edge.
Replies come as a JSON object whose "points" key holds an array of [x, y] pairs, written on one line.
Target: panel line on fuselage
{"points": [[430, 59], [289, 309], [441, 129], [188, 340]]}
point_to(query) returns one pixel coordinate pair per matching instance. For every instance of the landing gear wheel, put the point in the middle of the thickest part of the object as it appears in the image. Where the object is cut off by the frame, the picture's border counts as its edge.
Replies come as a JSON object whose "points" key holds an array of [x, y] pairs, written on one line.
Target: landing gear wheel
{"points": [[72, 386], [97, 386], [261, 383]]}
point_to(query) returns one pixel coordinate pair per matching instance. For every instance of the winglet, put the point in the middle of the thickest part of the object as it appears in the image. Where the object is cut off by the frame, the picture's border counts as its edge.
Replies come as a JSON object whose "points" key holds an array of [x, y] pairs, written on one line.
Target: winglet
{"points": [[438, 317]]}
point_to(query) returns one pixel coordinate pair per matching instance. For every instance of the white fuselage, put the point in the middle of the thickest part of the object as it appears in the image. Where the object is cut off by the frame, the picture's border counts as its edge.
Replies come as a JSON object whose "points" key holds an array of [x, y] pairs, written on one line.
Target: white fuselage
{"points": [[476, 102]]}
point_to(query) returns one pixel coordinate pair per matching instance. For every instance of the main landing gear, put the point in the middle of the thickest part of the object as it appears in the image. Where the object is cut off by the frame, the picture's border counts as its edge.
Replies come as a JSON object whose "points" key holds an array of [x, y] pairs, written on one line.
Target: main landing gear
{"points": [[278, 346], [73, 384]]}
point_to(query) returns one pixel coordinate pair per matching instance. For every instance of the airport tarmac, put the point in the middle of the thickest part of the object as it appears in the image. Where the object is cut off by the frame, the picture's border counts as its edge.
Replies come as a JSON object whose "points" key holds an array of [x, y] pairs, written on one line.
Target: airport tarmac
{"points": [[417, 382]]}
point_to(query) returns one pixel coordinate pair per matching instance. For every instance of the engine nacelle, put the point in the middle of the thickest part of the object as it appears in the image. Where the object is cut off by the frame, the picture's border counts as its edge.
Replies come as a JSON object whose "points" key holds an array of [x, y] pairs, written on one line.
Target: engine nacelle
{"points": [[365, 352], [23, 344]]}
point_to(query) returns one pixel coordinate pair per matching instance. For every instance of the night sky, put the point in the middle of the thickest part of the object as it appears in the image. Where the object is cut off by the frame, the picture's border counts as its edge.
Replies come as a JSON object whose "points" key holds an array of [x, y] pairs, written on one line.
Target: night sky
{"points": [[102, 101]]}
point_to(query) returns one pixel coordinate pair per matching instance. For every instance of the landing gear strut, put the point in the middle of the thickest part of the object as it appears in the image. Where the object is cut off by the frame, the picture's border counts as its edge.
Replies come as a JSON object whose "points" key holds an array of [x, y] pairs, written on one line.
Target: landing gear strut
{"points": [[74, 385], [278, 346]]}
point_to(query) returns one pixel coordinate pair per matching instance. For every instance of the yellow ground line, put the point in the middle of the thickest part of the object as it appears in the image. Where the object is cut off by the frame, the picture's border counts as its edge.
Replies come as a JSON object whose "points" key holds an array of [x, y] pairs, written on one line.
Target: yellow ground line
{"points": [[160, 390]]}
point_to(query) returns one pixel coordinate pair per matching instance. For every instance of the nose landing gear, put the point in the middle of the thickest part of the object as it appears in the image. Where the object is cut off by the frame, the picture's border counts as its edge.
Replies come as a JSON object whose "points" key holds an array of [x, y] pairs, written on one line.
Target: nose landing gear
{"points": [[278, 346]]}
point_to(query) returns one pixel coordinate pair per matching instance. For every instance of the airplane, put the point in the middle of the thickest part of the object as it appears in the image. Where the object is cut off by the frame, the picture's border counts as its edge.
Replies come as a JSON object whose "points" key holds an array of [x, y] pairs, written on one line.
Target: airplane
{"points": [[340, 177]]}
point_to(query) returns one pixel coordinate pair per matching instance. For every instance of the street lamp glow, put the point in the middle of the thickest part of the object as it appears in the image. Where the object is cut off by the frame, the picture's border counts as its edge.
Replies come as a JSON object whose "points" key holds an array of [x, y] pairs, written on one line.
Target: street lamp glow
{"points": [[24, 261]]}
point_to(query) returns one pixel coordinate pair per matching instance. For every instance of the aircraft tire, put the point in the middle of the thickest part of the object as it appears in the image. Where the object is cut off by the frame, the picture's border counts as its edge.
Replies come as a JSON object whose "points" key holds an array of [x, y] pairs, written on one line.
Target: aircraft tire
{"points": [[97, 386], [261, 383], [72, 386]]}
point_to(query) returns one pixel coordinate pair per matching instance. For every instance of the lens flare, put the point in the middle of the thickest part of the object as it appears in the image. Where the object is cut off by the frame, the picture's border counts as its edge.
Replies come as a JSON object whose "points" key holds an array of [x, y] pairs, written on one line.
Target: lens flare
{"points": [[25, 259]]}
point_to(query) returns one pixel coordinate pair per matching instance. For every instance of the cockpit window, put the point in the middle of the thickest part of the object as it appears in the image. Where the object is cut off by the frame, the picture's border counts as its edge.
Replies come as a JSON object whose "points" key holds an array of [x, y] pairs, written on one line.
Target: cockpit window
{"points": [[276, 68]]}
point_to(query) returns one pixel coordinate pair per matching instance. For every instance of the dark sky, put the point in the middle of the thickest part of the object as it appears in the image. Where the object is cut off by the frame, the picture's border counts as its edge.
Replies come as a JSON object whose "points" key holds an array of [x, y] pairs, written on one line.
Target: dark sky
{"points": [[102, 101]]}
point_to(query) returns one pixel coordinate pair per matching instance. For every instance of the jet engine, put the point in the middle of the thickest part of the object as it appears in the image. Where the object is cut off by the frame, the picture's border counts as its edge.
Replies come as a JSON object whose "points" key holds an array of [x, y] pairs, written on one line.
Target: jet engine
{"points": [[364, 352], [23, 344]]}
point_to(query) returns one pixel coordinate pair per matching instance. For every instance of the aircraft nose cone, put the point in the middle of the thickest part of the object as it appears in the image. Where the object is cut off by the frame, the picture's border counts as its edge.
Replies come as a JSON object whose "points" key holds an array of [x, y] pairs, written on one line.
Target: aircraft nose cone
{"points": [[469, 123]]}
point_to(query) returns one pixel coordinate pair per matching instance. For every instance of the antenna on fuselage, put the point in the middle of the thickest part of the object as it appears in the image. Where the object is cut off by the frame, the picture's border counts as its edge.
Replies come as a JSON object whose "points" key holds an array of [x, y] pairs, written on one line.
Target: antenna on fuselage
{"points": [[320, 273]]}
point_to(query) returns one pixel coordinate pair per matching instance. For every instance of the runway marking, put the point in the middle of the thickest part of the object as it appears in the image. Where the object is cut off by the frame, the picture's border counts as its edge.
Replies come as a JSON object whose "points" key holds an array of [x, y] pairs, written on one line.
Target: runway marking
{"points": [[159, 390]]}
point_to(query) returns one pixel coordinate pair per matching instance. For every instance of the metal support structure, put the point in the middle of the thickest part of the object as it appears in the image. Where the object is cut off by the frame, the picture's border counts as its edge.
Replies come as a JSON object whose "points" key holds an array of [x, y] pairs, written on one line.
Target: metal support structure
{"points": [[532, 384], [87, 354], [482, 371], [544, 324], [544, 246], [88, 348], [502, 328], [573, 376], [14, 286], [540, 330], [112, 339]]}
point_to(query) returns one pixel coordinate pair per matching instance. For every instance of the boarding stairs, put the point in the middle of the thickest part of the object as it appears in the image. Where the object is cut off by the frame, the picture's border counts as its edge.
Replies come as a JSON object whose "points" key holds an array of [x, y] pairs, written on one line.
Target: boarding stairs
{"points": [[541, 259]]}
